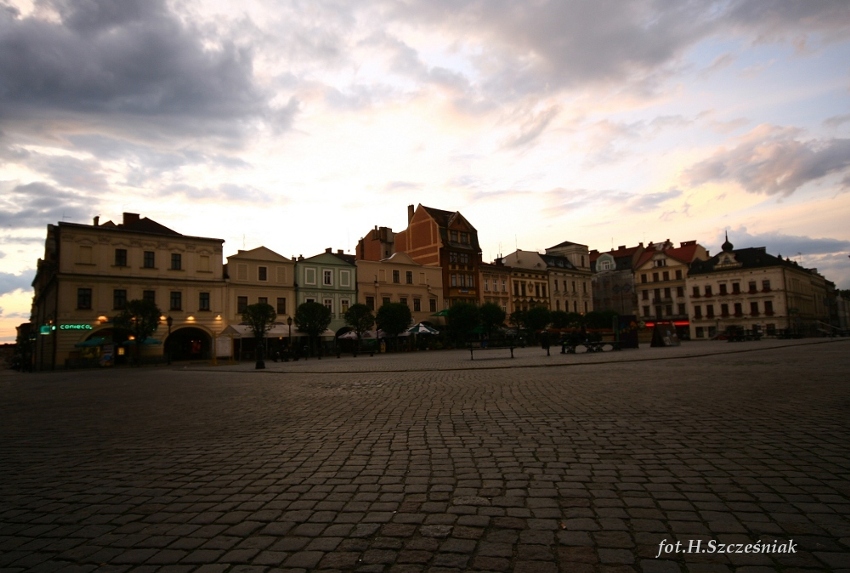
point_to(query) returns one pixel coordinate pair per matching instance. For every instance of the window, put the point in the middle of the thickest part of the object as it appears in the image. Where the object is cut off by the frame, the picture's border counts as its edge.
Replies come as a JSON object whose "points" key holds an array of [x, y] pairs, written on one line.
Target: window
{"points": [[665, 275], [84, 298], [724, 310], [454, 280], [486, 285], [403, 300], [453, 258], [765, 286], [176, 300], [344, 278], [310, 276], [667, 292], [700, 332], [464, 258], [149, 296], [370, 302], [574, 286], [736, 288], [754, 308], [681, 307], [203, 301], [417, 305], [385, 300], [669, 309], [204, 263], [241, 304], [738, 310], [655, 277], [262, 273], [752, 286], [281, 305], [584, 288], [723, 288], [660, 263], [263, 300], [680, 292], [120, 257], [707, 290], [149, 260], [679, 274], [697, 311], [408, 277], [643, 277], [709, 311], [432, 304], [696, 291], [396, 278], [768, 307], [645, 310], [343, 305], [329, 304], [327, 277], [644, 295], [453, 236], [176, 261], [119, 299], [464, 238]]}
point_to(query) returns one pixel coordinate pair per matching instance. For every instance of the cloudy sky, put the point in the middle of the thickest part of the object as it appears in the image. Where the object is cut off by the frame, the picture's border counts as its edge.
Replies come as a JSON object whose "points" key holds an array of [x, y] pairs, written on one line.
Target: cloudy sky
{"points": [[300, 125]]}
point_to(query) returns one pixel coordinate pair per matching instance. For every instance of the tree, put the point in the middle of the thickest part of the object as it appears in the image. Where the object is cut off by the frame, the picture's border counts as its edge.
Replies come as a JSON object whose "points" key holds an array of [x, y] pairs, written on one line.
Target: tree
{"points": [[492, 316], [141, 318], [393, 318], [462, 318], [312, 319], [537, 318], [360, 318], [600, 318], [517, 319], [260, 318], [560, 319]]}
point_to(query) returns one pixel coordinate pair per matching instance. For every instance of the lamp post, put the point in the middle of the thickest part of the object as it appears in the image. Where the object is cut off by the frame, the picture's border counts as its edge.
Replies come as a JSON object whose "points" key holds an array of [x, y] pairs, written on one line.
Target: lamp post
{"points": [[289, 341], [169, 321]]}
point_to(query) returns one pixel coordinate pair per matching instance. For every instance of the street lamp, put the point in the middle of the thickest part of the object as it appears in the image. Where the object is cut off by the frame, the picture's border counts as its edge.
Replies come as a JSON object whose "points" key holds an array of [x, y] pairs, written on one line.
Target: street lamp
{"points": [[169, 321], [289, 341]]}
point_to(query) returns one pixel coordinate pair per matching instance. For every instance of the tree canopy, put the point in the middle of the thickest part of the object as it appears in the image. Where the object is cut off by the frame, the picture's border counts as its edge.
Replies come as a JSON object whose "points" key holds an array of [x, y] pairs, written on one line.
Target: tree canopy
{"points": [[360, 318], [260, 318], [313, 319], [537, 318], [492, 316], [393, 318], [141, 318], [462, 318]]}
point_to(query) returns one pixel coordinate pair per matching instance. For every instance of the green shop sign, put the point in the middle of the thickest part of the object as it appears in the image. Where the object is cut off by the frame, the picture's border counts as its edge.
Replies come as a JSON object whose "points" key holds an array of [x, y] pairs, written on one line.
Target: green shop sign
{"points": [[75, 327]]}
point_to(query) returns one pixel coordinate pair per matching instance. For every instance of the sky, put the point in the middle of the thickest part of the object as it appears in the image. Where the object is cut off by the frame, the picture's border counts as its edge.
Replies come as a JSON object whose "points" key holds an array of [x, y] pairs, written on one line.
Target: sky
{"points": [[302, 124]]}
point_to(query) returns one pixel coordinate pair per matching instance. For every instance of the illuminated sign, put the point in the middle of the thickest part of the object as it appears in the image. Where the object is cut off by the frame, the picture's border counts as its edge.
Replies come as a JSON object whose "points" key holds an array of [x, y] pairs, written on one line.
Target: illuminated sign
{"points": [[45, 329], [75, 327]]}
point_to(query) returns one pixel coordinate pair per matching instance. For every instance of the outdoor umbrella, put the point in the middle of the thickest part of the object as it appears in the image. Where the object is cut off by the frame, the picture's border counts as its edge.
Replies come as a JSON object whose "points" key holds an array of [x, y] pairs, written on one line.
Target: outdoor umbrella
{"points": [[421, 328]]}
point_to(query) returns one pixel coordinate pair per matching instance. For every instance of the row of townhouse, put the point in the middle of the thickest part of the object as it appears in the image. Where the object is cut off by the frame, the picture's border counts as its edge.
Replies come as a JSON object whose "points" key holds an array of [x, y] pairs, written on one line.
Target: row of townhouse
{"points": [[703, 295], [559, 278]]}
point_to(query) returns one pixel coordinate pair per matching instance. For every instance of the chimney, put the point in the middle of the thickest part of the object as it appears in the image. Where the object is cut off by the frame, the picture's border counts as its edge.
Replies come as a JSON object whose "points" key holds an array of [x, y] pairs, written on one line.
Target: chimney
{"points": [[130, 218], [410, 210], [329, 250], [96, 220], [339, 251]]}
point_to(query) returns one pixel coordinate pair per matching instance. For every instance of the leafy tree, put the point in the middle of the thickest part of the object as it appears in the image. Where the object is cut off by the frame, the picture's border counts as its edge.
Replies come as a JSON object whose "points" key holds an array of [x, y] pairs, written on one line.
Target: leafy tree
{"points": [[360, 318], [560, 319], [313, 319], [575, 320], [492, 316], [517, 319], [141, 318], [462, 318], [393, 319], [537, 318], [600, 319], [260, 318]]}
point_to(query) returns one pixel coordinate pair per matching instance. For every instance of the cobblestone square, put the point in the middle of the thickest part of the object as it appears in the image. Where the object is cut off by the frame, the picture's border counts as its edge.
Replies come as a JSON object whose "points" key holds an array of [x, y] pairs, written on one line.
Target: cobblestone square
{"points": [[433, 462]]}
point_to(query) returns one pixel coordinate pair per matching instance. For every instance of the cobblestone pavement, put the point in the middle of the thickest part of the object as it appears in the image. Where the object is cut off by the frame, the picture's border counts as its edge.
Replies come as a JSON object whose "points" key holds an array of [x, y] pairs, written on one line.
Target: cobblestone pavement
{"points": [[578, 467]]}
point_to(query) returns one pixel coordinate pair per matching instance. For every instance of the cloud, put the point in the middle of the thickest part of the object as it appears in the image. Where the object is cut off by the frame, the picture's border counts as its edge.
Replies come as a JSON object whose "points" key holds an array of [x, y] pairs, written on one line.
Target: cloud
{"points": [[37, 204], [651, 201], [10, 283], [773, 161], [533, 126], [223, 192], [837, 120], [133, 59], [779, 243]]}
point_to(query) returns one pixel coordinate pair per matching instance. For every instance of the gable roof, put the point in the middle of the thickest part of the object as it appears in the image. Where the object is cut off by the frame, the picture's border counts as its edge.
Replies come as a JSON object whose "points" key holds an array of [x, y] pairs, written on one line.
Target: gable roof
{"points": [[259, 253], [142, 225]]}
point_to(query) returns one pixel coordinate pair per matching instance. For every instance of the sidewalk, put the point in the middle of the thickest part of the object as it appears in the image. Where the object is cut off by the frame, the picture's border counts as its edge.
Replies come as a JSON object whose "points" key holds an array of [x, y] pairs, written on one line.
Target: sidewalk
{"points": [[448, 360]]}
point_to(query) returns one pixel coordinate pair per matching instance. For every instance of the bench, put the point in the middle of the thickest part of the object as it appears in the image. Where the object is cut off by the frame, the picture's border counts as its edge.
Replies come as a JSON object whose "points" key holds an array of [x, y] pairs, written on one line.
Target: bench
{"points": [[596, 346], [473, 346]]}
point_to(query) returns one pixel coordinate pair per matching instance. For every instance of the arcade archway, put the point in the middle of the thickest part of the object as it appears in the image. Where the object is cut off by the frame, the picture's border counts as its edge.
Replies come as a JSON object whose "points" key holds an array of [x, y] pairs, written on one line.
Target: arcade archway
{"points": [[189, 343]]}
